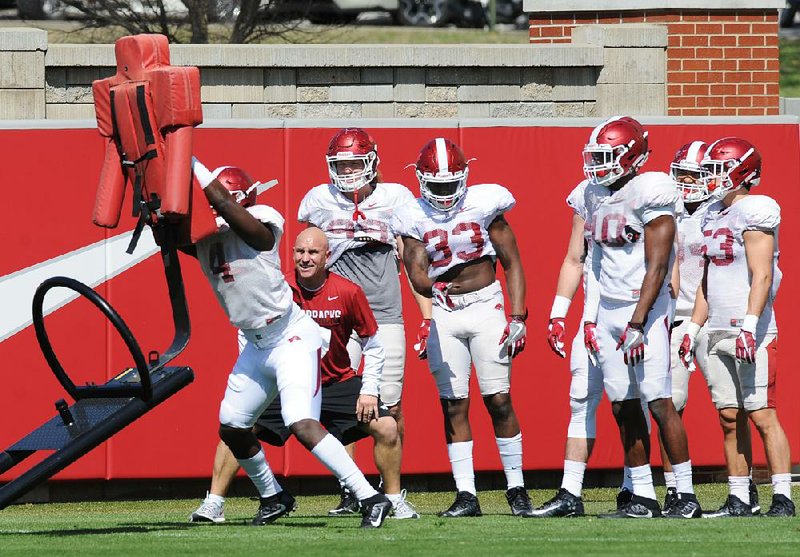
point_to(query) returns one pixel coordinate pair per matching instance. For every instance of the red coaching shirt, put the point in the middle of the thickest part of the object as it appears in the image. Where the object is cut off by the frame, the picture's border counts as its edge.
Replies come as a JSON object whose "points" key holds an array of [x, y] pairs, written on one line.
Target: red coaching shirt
{"points": [[341, 306]]}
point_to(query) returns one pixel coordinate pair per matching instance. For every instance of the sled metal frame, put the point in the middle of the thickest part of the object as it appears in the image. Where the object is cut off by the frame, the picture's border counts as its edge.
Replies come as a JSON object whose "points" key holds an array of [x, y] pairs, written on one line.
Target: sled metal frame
{"points": [[100, 411]]}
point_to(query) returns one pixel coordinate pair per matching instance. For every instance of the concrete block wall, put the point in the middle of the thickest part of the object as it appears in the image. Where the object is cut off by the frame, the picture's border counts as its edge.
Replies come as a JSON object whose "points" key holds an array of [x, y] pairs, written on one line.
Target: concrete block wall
{"points": [[592, 76], [722, 55]]}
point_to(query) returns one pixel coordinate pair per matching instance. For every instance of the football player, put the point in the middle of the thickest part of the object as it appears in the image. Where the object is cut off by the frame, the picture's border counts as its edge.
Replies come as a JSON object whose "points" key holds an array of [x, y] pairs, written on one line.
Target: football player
{"points": [[586, 384], [355, 210], [631, 218], [453, 235], [281, 355], [687, 173], [741, 278], [350, 406]]}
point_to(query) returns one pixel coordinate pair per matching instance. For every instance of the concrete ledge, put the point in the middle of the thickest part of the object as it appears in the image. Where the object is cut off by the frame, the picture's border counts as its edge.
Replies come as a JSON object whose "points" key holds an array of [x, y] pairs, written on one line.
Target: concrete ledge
{"points": [[639, 35], [23, 39], [562, 6], [347, 56]]}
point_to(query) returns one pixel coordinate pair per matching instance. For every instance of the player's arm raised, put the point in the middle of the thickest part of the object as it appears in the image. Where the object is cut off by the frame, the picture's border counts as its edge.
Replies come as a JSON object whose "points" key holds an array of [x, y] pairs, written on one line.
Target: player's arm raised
{"points": [[255, 233], [569, 278]]}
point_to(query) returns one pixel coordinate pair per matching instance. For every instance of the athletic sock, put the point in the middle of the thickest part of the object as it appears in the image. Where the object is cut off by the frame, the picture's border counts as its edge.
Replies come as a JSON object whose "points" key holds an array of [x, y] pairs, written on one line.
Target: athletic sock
{"points": [[573, 476], [260, 474], [642, 479], [217, 499], [782, 485], [739, 486], [627, 482], [669, 480], [683, 476], [330, 452], [510, 449], [461, 462]]}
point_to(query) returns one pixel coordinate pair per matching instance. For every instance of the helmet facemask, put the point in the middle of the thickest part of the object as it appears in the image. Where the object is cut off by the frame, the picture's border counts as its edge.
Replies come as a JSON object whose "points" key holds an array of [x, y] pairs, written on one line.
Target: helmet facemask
{"points": [[602, 162], [353, 181], [690, 180], [443, 191]]}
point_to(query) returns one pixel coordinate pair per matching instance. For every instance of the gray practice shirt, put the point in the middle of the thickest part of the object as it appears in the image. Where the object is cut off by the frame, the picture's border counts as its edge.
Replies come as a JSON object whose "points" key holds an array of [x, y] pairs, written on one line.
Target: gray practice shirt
{"points": [[375, 268]]}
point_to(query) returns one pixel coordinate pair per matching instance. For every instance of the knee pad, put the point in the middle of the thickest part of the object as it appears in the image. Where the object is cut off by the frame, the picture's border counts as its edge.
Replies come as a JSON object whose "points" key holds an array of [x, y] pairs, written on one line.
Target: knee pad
{"points": [[230, 417], [583, 417], [391, 393]]}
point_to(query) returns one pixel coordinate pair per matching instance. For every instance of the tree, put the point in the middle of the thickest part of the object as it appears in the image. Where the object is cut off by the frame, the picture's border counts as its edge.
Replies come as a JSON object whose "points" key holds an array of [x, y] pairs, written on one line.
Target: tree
{"points": [[246, 20]]}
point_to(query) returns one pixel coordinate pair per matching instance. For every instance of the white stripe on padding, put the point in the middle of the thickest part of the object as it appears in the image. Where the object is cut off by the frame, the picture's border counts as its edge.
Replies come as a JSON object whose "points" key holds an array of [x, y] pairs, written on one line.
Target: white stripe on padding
{"points": [[593, 137], [441, 155]]}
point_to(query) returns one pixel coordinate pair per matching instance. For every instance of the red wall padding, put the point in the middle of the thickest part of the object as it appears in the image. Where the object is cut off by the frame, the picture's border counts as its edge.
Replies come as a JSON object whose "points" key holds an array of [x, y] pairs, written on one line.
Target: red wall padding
{"points": [[49, 198]]}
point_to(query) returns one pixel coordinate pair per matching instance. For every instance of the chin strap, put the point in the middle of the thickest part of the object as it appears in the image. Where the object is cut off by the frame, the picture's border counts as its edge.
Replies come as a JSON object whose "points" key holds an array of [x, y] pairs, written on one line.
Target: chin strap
{"points": [[357, 214]]}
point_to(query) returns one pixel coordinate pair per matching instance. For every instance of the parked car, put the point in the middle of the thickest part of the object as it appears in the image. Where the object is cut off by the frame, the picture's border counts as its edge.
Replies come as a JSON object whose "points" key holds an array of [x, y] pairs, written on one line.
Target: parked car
{"points": [[789, 12]]}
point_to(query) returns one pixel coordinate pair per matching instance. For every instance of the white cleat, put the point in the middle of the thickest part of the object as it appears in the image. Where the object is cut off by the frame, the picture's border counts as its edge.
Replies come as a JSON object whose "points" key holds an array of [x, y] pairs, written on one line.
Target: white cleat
{"points": [[208, 511], [402, 509]]}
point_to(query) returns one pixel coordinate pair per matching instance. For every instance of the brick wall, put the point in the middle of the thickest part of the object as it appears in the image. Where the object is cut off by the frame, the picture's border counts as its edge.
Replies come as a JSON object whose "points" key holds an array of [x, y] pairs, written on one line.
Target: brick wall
{"points": [[718, 62]]}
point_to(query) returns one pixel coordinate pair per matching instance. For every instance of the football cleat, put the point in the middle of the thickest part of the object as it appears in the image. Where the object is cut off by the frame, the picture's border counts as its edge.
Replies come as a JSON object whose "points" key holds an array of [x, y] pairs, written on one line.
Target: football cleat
{"points": [[272, 508], [563, 504], [402, 509], [208, 511], [519, 501], [347, 505], [637, 507], [376, 509], [754, 498], [733, 507], [288, 501], [685, 505], [466, 504], [624, 497], [781, 506], [670, 499]]}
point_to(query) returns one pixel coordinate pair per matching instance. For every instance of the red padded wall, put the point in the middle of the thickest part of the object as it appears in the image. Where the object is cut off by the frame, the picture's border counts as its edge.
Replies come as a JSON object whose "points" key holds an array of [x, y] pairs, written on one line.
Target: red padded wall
{"points": [[540, 165]]}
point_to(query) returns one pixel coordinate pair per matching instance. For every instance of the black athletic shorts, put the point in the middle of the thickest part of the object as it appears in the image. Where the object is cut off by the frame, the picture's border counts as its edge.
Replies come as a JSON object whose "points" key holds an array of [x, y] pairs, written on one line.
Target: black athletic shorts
{"points": [[337, 415]]}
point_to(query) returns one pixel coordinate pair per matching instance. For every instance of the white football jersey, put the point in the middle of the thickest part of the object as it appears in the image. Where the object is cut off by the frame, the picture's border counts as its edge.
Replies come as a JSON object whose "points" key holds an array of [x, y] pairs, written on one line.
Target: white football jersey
{"points": [[328, 209], [616, 221], [459, 235], [576, 201], [248, 283], [728, 282], [690, 258]]}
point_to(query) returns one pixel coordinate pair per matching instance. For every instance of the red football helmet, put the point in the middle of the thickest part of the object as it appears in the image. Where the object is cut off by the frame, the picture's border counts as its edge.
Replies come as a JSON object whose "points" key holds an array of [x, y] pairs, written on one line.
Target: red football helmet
{"points": [[616, 148], [731, 163], [238, 182], [352, 144], [688, 173], [442, 173]]}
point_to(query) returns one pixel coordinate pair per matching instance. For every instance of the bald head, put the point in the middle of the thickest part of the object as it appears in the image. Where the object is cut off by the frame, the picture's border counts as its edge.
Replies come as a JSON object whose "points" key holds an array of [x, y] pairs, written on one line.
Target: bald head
{"points": [[312, 236], [310, 255]]}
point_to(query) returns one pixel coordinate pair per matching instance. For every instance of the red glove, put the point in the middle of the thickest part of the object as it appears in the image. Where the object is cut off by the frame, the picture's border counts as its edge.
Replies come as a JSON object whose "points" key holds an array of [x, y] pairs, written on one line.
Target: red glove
{"points": [[746, 347], [422, 339], [439, 294], [632, 343], [514, 335], [590, 341], [555, 336]]}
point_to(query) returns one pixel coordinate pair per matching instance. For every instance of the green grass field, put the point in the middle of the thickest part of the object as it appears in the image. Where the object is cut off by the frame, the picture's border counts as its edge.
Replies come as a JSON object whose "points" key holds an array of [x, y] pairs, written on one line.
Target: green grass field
{"points": [[150, 528]]}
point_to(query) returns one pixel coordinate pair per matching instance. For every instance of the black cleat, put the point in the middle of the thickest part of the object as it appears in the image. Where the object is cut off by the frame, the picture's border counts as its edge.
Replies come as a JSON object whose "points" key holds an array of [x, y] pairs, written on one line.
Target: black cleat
{"points": [[754, 498], [519, 501], [781, 506], [272, 508], [624, 497], [733, 507], [466, 504], [376, 509], [348, 505], [563, 504], [685, 505], [638, 507], [669, 500], [288, 501]]}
